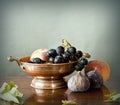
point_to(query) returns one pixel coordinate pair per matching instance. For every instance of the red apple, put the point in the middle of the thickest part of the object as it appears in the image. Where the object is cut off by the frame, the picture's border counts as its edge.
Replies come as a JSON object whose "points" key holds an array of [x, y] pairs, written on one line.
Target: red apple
{"points": [[40, 53], [101, 66]]}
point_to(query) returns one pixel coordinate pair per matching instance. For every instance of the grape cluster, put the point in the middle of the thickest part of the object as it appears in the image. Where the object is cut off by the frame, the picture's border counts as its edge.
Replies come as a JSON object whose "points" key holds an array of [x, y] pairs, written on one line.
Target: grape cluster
{"points": [[59, 55]]}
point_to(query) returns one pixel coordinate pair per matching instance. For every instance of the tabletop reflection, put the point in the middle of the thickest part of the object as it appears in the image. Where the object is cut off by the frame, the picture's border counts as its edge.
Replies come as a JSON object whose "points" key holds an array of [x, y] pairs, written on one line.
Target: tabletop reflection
{"points": [[55, 97]]}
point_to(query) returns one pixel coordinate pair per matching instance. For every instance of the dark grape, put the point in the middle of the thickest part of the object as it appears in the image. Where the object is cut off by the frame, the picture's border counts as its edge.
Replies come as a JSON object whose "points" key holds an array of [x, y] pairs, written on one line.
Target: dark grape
{"points": [[79, 67], [79, 54], [58, 59], [66, 57], [60, 50], [73, 58], [29, 61], [36, 60], [68, 54], [51, 60], [83, 61], [43, 61], [51, 53], [71, 50]]}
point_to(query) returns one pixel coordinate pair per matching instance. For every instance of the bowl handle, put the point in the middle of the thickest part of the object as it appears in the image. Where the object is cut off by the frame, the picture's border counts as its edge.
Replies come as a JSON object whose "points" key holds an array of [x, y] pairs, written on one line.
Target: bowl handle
{"points": [[11, 59]]}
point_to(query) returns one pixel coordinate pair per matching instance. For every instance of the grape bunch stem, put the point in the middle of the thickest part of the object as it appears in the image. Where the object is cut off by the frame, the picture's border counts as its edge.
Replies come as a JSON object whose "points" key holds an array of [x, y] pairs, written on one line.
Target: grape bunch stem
{"points": [[66, 45]]}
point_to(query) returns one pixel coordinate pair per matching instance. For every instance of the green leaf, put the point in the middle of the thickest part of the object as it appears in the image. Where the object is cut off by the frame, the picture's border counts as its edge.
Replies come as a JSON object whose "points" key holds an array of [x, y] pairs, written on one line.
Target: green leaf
{"points": [[113, 97], [8, 86], [68, 102], [9, 97], [9, 92]]}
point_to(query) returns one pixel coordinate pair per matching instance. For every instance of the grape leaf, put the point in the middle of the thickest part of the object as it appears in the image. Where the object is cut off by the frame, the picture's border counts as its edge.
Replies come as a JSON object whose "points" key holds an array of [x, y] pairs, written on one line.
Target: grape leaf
{"points": [[68, 102], [113, 97], [9, 92]]}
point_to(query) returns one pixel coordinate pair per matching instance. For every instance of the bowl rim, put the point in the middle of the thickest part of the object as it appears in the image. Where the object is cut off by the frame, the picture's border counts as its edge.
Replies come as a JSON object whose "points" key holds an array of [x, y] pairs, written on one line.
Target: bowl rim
{"points": [[45, 64]]}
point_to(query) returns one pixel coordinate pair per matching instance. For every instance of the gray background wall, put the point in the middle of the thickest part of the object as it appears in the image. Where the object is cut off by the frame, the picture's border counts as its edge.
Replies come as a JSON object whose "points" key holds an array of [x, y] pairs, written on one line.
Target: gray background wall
{"points": [[91, 25]]}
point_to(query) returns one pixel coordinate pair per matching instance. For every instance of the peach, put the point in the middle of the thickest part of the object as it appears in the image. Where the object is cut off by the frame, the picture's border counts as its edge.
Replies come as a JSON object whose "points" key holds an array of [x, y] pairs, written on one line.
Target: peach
{"points": [[101, 66], [40, 53]]}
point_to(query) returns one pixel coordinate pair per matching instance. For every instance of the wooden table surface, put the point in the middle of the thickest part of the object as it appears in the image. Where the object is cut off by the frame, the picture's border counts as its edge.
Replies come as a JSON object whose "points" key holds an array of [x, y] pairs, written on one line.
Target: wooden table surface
{"points": [[55, 97]]}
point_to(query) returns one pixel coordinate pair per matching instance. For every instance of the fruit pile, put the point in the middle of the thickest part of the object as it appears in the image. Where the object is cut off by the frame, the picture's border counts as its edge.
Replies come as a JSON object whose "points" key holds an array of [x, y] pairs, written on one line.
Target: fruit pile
{"points": [[95, 71], [93, 76], [64, 53]]}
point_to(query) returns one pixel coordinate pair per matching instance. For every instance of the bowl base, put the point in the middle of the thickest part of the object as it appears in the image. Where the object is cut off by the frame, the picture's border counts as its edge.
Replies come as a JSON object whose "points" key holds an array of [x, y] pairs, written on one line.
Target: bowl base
{"points": [[49, 83]]}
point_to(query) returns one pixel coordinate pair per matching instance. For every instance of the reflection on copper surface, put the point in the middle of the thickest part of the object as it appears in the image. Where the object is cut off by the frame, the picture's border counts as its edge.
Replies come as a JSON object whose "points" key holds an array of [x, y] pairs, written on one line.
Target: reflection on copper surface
{"points": [[50, 97], [90, 97], [55, 97]]}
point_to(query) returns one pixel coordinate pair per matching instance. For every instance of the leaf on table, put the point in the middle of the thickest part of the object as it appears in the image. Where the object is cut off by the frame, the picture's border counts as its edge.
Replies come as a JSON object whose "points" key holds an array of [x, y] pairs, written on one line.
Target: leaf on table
{"points": [[3, 102], [68, 102], [113, 97], [9, 92]]}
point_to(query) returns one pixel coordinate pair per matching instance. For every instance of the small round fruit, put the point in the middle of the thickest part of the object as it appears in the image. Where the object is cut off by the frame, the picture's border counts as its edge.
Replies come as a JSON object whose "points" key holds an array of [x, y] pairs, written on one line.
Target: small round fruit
{"points": [[102, 67], [95, 78], [29, 61], [73, 58], [58, 59], [79, 67], [79, 54], [83, 61], [51, 60], [71, 50], [36, 60], [51, 53], [66, 57], [60, 50]]}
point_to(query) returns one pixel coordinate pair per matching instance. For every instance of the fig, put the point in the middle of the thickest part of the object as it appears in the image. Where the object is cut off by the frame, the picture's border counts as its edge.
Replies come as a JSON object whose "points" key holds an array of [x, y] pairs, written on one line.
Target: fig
{"points": [[95, 78], [78, 83]]}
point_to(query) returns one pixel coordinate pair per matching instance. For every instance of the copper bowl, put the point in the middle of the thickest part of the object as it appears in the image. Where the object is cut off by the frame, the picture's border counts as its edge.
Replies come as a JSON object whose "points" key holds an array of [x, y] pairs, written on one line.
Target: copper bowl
{"points": [[46, 76]]}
